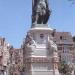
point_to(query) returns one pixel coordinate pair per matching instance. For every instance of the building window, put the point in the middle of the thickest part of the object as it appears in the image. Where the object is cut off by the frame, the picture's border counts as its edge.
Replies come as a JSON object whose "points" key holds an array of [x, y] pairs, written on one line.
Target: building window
{"points": [[60, 37], [63, 38]]}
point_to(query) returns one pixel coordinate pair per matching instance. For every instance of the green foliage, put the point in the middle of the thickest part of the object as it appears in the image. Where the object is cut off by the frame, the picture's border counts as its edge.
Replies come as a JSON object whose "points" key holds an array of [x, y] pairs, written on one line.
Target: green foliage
{"points": [[64, 68]]}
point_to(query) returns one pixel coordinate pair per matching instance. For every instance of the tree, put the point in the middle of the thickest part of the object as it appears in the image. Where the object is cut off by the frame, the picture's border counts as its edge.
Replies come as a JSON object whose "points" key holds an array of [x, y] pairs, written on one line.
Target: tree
{"points": [[64, 68]]}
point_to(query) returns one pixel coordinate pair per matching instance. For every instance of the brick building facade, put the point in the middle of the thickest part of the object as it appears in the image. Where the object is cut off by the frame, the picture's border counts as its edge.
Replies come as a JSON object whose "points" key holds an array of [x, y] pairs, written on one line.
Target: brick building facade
{"points": [[66, 46], [4, 56]]}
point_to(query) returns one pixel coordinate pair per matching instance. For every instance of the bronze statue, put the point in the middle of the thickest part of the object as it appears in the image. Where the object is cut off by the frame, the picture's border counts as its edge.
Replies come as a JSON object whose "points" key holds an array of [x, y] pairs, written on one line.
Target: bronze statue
{"points": [[40, 11]]}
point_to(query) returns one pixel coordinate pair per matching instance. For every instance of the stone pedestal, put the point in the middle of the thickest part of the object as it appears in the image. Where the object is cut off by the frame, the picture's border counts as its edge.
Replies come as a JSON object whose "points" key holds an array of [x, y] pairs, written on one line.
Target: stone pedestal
{"points": [[40, 52]]}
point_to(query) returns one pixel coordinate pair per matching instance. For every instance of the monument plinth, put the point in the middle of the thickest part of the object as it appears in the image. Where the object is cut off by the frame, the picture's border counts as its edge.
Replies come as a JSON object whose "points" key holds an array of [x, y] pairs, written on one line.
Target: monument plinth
{"points": [[40, 52]]}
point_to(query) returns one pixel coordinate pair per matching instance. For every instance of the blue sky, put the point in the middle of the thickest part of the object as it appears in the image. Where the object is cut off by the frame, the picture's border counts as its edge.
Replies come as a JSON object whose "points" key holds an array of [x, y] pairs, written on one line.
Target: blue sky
{"points": [[15, 18]]}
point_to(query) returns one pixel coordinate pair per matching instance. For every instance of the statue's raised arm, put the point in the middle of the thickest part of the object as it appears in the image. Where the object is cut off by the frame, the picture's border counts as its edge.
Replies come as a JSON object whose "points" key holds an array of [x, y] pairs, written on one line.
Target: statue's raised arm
{"points": [[40, 11]]}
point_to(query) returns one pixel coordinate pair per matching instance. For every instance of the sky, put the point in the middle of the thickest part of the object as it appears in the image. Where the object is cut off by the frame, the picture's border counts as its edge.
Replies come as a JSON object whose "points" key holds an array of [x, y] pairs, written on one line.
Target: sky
{"points": [[15, 18]]}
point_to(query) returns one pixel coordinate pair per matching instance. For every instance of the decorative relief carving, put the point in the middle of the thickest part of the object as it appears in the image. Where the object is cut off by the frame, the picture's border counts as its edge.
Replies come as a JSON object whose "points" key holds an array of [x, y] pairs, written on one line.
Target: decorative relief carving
{"points": [[29, 44], [37, 59], [52, 49], [51, 45], [29, 40]]}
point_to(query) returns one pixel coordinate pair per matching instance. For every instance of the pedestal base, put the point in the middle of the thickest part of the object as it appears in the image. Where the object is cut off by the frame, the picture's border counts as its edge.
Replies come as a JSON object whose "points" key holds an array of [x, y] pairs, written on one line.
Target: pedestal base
{"points": [[39, 53]]}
